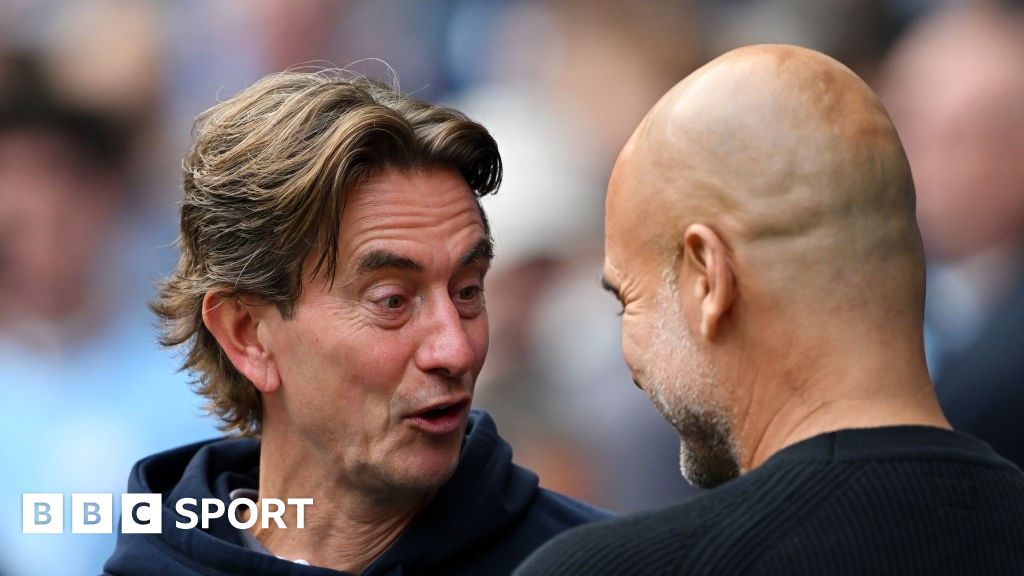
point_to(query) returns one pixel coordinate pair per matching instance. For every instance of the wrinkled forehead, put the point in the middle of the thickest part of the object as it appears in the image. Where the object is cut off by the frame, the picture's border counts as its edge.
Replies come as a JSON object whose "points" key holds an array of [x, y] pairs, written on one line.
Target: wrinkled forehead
{"points": [[425, 208]]}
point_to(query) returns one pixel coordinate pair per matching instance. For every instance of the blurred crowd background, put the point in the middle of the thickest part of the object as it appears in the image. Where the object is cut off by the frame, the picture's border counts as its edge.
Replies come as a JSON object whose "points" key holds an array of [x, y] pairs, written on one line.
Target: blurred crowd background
{"points": [[97, 99]]}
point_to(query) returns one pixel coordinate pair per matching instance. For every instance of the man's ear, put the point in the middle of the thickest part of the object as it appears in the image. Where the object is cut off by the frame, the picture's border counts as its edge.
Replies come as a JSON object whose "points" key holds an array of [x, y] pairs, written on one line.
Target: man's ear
{"points": [[235, 323], [714, 286]]}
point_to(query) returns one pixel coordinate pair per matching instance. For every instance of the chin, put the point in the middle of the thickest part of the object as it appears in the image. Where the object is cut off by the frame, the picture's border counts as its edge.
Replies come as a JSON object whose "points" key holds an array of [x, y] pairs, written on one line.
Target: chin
{"points": [[428, 468], [707, 456]]}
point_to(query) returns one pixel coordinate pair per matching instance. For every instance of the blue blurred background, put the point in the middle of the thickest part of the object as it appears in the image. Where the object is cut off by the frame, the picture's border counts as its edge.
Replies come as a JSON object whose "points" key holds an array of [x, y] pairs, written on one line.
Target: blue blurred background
{"points": [[97, 99]]}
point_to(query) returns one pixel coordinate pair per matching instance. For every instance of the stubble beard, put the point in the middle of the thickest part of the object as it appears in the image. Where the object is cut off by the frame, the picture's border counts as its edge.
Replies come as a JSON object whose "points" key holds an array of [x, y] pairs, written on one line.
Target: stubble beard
{"points": [[682, 388]]}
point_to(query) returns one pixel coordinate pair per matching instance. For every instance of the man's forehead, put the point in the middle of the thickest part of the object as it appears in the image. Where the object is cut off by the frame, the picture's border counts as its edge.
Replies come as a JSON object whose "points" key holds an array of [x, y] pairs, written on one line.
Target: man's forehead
{"points": [[609, 272], [638, 181], [631, 207], [622, 167], [406, 213], [410, 199], [403, 188], [616, 205]]}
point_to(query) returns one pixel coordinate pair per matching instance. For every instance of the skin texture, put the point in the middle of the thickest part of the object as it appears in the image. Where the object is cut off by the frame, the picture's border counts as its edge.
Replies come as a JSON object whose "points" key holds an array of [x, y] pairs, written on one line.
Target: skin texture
{"points": [[401, 328], [760, 234]]}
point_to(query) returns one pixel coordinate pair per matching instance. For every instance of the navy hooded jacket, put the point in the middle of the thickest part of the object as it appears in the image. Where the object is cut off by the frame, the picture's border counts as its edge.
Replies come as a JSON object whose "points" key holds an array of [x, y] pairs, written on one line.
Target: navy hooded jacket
{"points": [[485, 520]]}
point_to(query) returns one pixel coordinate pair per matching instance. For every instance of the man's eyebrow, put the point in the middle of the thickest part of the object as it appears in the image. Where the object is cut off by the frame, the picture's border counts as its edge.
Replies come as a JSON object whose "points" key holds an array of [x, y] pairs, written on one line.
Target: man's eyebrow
{"points": [[607, 285], [380, 259], [482, 251]]}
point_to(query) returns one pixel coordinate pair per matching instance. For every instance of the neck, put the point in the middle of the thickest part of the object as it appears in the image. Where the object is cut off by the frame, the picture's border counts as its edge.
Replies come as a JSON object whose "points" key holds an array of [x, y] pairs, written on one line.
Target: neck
{"points": [[880, 385], [346, 528]]}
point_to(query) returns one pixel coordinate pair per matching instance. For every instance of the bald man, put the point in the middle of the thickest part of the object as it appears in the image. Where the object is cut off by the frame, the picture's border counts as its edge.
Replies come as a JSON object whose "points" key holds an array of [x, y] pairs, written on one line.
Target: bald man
{"points": [[761, 238]]}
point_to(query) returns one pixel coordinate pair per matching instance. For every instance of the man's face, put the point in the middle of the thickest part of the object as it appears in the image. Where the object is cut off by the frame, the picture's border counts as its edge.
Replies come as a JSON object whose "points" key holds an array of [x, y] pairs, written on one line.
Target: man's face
{"points": [[56, 210], [377, 369], [956, 102], [665, 358]]}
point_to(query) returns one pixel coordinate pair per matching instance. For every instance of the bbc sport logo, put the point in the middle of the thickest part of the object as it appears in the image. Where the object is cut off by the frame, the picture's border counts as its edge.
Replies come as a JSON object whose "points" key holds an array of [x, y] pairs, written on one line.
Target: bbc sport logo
{"points": [[93, 513]]}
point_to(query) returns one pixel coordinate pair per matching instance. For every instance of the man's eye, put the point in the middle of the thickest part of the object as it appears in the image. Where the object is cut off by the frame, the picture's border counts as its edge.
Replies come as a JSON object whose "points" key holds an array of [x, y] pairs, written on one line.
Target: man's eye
{"points": [[470, 300], [393, 302], [389, 306], [470, 292]]}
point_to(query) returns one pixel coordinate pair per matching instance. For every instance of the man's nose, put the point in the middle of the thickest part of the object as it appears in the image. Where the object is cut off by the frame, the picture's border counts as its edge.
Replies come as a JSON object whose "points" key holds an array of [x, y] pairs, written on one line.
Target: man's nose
{"points": [[446, 348]]}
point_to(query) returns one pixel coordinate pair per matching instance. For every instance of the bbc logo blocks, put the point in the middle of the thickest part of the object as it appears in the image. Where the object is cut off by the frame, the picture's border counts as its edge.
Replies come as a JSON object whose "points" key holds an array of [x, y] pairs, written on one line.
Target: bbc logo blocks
{"points": [[43, 513], [90, 513], [141, 513]]}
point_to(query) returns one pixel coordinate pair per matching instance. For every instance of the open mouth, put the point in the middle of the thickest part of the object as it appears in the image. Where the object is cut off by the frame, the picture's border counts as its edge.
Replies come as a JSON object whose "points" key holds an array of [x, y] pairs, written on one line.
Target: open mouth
{"points": [[441, 411], [441, 419]]}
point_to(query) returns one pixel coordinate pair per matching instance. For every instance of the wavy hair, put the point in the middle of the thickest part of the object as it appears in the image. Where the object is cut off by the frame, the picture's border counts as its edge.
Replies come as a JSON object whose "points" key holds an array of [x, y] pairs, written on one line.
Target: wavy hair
{"points": [[265, 181]]}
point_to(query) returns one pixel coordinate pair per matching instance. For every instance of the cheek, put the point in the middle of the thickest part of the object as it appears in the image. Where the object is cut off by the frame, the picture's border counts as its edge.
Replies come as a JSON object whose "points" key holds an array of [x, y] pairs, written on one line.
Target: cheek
{"points": [[330, 361], [343, 387], [633, 344], [478, 335], [378, 359]]}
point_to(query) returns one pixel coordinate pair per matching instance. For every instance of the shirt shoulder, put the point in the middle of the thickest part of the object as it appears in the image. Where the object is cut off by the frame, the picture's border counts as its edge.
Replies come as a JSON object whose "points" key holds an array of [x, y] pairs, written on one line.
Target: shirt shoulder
{"points": [[646, 543], [565, 512]]}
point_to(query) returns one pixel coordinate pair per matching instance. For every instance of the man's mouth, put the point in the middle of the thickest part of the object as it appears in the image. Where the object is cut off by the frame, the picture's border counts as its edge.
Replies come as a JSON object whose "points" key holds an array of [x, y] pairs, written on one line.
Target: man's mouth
{"points": [[440, 411], [442, 417]]}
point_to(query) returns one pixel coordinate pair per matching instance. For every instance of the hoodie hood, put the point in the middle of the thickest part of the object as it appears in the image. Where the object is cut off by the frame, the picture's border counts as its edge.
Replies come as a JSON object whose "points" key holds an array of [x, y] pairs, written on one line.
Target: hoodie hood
{"points": [[485, 497]]}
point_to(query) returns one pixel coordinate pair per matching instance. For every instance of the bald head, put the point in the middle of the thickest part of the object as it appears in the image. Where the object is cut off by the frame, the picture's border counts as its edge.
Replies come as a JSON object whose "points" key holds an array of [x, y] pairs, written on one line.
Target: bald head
{"points": [[760, 234], [791, 159]]}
